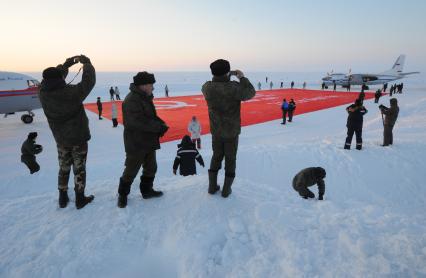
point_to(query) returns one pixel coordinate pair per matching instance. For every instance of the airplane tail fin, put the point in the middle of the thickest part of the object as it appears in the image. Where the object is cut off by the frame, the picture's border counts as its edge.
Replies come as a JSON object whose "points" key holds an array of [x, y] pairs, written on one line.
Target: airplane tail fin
{"points": [[397, 67]]}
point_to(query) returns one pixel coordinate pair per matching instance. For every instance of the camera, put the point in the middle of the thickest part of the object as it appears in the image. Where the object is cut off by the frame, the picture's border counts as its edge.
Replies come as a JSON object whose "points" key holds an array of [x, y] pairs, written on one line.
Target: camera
{"points": [[233, 72]]}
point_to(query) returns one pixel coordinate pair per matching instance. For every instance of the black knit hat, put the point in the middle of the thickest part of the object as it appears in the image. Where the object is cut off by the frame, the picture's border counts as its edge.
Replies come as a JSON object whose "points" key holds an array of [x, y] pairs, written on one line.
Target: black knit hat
{"points": [[32, 135], [52, 73], [143, 78], [220, 67]]}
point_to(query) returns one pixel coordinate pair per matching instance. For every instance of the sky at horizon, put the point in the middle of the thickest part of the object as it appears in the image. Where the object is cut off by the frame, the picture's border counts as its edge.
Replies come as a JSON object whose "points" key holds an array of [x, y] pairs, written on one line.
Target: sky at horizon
{"points": [[187, 35]]}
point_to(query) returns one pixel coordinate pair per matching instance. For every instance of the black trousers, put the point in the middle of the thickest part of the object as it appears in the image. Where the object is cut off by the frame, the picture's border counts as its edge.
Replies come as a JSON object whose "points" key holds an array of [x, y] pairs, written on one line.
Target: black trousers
{"points": [[284, 116], [290, 115], [114, 122], [358, 134], [100, 113]]}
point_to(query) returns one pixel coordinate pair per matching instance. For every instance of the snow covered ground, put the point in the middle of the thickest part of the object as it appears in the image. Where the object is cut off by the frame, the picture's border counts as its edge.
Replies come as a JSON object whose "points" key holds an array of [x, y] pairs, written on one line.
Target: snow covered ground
{"points": [[372, 222]]}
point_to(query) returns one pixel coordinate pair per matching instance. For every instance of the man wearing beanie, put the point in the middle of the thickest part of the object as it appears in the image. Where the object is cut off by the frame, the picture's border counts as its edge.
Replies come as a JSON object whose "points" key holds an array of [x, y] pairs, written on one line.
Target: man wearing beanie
{"points": [[309, 177], [142, 132], [391, 114], [63, 106], [224, 98], [29, 150]]}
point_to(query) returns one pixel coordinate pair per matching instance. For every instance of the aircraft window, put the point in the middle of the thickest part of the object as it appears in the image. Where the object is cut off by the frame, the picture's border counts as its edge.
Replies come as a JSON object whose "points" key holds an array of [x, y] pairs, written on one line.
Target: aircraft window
{"points": [[32, 83]]}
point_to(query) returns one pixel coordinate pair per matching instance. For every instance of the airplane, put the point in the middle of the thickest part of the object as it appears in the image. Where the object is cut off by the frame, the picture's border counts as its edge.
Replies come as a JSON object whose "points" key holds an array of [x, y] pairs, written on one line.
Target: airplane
{"points": [[18, 92], [365, 79]]}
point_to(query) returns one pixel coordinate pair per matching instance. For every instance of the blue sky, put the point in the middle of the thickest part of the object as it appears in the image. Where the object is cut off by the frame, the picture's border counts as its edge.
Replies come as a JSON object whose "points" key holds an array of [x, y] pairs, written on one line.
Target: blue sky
{"points": [[129, 35]]}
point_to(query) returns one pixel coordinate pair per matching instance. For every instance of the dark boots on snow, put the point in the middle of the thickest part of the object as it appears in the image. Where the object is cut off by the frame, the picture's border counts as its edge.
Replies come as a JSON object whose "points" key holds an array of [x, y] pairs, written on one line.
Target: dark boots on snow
{"points": [[226, 190], [63, 198], [123, 191], [309, 194], [81, 200], [146, 187], [213, 187]]}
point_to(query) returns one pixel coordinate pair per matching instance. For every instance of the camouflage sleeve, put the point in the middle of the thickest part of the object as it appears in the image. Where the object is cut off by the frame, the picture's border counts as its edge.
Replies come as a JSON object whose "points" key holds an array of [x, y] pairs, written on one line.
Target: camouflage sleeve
{"points": [[321, 187], [134, 119], [63, 69], [88, 81], [245, 90]]}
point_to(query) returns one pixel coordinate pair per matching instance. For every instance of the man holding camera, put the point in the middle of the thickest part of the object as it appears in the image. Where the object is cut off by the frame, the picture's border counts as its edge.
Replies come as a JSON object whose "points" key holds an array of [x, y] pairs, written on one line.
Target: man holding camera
{"points": [[63, 106], [224, 98], [142, 132], [391, 114]]}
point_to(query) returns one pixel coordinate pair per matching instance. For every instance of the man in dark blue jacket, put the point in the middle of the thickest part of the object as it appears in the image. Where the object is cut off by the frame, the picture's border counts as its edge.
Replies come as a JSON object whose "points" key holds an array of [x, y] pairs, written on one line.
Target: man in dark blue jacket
{"points": [[284, 108], [356, 114]]}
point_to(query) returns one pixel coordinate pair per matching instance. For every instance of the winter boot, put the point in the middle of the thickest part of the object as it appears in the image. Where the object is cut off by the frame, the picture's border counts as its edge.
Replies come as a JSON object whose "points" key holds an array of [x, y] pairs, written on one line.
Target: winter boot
{"points": [[81, 200], [123, 191], [146, 188], [359, 147], [309, 194], [213, 187], [226, 190], [63, 198]]}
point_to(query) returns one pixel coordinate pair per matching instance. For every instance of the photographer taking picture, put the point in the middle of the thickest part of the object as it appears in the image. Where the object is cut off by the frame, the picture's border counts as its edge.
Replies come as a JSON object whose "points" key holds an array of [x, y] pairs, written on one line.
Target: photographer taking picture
{"points": [[63, 106], [223, 98], [391, 114]]}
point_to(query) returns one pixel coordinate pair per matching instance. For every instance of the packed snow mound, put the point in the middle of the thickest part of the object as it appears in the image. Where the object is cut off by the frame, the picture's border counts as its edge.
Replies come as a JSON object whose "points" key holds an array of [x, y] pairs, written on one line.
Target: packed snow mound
{"points": [[371, 223]]}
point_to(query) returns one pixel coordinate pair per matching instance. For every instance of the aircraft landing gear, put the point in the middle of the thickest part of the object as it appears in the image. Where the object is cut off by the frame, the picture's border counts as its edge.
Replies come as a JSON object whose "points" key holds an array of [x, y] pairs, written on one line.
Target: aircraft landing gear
{"points": [[28, 118]]}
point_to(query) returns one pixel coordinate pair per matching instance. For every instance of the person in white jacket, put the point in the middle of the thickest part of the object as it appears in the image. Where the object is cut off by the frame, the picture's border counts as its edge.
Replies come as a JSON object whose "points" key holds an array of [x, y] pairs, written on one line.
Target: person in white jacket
{"points": [[194, 128], [114, 114], [117, 93]]}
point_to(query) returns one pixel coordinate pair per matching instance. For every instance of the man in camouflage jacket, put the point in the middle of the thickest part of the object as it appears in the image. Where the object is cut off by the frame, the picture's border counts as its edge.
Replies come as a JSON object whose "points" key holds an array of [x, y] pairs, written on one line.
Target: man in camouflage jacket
{"points": [[224, 104], [63, 106]]}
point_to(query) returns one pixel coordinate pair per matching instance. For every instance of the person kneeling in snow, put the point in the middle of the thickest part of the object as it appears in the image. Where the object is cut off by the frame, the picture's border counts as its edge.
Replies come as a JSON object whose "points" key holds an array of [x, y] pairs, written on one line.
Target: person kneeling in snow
{"points": [[185, 158], [29, 149], [308, 177]]}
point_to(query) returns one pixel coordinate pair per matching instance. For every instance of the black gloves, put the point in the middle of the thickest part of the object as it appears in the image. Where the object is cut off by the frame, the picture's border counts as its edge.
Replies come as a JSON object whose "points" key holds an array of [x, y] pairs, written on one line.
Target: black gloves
{"points": [[163, 130], [84, 60]]}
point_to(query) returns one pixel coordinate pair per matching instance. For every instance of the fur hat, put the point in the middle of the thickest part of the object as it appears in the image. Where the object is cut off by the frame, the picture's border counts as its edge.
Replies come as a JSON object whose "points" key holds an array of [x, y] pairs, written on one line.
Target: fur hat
{"points": [[52, 73], [393, 101], [143, 78], [220, 67]]}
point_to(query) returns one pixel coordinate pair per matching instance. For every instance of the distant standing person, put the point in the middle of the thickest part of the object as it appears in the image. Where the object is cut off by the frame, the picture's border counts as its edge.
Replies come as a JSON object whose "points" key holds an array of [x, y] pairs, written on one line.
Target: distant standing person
{"points": [[266, 80], [309, 177], [322, 86], [29, 150], [304, 85], [224, 99], [377, 96], [117, 93], [142, 132], [194, 128], [63, 106], [348, 88], [284, 108], [361, 97], [271, 85], [282, 85], [292, 84], [166, 91], [385, 86], [99, 104], [114, 114], [111, 93], [334, 85], [354, 124], [259, 86], [291, 109], [391, 114], [185, 158]]}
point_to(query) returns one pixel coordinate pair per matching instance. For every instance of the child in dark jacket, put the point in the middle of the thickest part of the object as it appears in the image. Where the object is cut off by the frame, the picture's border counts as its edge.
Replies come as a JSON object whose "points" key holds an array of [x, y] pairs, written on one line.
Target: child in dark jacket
{"points": [[29, 149], [186, 156]]}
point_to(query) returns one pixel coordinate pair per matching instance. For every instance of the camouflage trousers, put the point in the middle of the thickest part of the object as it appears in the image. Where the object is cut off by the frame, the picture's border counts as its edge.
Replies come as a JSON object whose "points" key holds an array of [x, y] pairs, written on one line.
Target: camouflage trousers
{"points": [[224, 148], [74, 156]]}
